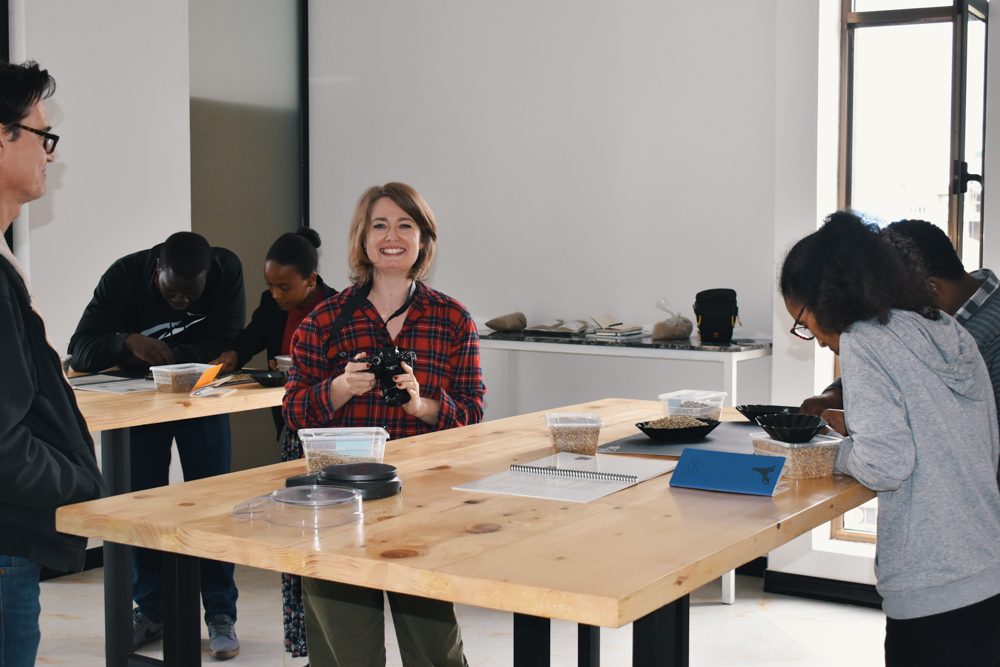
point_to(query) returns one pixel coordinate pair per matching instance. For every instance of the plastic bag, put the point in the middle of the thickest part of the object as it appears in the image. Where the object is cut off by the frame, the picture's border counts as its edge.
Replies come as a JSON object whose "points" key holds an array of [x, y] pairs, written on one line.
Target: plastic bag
{"points": [[676, 326]]}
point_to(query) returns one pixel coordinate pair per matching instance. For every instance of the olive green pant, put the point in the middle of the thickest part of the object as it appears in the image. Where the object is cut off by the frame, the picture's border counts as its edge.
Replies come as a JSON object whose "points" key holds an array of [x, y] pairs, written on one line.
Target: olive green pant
{"points": [[345, 627]]}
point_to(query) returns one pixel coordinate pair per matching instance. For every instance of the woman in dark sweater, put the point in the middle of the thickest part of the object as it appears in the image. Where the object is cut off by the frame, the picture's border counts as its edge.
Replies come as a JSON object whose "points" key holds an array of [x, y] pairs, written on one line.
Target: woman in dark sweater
{"points": [[294, 288]]}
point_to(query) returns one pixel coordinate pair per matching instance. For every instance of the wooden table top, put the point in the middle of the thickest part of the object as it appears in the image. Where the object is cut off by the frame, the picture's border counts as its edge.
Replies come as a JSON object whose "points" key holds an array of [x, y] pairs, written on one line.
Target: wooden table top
{"points": [[603, 563], [104, 412]]}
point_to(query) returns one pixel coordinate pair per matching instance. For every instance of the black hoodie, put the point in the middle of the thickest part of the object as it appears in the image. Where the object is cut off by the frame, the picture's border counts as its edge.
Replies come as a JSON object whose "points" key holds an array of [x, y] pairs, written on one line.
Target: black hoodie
{"points": [[127, 300]]}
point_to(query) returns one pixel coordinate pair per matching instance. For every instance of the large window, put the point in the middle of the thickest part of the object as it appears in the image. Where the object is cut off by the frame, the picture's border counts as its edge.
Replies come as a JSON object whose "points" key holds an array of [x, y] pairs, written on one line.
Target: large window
{"points": [[912, 93], [912, 112]]}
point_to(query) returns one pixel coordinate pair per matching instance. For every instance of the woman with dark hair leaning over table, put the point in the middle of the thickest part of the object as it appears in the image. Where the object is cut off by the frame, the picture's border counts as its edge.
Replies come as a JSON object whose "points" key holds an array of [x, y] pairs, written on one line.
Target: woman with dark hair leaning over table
{"points": [[921, 431], [293, 289], [391, 248]]}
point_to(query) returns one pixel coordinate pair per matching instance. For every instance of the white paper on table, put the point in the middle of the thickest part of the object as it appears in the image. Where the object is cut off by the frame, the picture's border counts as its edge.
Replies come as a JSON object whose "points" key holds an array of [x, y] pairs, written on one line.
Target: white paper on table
{"points": [[570, 477]]}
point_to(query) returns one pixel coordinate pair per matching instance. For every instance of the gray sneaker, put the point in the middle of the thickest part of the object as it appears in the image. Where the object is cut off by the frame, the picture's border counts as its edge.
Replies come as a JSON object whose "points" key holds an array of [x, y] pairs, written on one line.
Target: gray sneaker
{"points": [[222, 641], [144, 630]]}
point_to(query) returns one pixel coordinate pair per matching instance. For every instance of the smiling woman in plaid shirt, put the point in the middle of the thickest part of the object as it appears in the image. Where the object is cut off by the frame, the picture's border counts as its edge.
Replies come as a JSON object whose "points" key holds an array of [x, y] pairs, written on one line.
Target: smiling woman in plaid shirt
{"points": [[392, 241]]}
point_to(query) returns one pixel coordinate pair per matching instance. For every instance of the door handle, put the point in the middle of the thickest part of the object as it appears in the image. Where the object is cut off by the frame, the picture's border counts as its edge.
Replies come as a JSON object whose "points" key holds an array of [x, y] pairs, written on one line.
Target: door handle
{"points": [[960, 177]]}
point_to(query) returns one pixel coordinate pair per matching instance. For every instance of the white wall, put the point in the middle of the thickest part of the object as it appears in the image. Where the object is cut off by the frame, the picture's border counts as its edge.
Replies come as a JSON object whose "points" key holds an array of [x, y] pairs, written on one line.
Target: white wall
{"points": [[581, 157], [806, 113], [121, 181]]}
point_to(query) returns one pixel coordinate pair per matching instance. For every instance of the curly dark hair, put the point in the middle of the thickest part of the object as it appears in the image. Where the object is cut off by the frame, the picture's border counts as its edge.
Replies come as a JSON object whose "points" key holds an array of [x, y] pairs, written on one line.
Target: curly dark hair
{"points": [[846, 272]]}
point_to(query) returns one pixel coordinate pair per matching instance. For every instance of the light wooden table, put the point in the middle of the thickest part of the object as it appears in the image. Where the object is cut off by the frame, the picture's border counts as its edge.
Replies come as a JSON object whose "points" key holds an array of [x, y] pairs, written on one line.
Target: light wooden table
{"points": [[113, 415], [632, 557]]}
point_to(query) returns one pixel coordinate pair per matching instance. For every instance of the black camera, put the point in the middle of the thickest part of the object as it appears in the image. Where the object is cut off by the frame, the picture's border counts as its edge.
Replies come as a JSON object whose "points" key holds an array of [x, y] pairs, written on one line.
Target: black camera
{"points": [[386, 364]]}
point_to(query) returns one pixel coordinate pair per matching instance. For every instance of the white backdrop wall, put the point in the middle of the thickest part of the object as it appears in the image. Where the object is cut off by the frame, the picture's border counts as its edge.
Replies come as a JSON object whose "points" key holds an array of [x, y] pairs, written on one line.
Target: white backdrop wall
{"points": [[121, 181], [581, 158], [805, 187]]}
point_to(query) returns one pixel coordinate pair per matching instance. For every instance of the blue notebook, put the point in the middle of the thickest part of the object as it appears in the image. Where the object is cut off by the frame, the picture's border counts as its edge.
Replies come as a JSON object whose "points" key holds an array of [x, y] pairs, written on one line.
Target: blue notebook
{"points": [[727, 471]]}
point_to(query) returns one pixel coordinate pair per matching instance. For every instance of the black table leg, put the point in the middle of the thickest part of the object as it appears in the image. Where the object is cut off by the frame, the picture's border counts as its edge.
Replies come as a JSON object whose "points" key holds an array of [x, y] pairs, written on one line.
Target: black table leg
{"points": [[661, 638], [117, 557], [181, 604], [532, 635], [588, 646]]}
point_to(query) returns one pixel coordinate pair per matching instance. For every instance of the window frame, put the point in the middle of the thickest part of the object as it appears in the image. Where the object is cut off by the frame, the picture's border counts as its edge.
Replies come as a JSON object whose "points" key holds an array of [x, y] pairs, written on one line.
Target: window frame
{"points": [[959, 13]]}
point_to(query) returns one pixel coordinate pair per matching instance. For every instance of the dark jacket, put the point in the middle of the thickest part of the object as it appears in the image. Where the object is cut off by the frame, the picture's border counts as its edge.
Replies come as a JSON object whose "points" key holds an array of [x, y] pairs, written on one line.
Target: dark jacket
{"points": [[128, 301], [267, 326], [47, 454]]}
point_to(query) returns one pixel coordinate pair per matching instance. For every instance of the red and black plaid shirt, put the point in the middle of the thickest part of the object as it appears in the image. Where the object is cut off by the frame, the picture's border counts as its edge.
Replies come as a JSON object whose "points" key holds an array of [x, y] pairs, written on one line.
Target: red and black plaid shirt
{"points": [[437, 328]]}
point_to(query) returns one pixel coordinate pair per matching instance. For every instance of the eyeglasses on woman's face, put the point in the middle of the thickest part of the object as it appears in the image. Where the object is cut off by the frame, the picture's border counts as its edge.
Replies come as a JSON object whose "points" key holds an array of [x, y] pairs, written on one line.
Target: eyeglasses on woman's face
{"points": [[49, 140], [800, 329]]}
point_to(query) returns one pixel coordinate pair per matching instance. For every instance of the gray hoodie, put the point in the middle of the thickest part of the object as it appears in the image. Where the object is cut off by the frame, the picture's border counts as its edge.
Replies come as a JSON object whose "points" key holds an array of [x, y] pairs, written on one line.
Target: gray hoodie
{"points": [[923, 434]]}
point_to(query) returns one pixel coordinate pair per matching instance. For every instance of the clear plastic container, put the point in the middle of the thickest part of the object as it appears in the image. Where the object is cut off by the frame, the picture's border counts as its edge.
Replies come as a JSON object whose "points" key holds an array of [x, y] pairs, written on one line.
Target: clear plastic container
{"points": [[284, 362], [693, 403], [177, 377], [574, 432], [803, 460], [304, 507], [329, 446]]}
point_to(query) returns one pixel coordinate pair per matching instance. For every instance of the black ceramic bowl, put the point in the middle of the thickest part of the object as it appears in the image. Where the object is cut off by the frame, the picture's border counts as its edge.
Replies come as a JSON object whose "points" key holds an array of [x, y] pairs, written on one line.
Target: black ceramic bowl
{"points": [[791, 427], [751, 412], [676, 435], [270, 378]]}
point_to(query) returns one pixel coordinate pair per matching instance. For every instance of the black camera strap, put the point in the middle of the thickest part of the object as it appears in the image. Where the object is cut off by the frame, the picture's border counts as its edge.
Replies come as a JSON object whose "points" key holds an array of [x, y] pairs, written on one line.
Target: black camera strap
{"points": [[406, 304], [359, 297], [350, 306]]}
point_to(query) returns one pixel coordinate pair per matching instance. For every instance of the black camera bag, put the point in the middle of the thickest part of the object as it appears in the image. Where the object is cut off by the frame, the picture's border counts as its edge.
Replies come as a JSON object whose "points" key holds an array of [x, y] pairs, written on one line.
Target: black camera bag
{"points": [[716, 314]]}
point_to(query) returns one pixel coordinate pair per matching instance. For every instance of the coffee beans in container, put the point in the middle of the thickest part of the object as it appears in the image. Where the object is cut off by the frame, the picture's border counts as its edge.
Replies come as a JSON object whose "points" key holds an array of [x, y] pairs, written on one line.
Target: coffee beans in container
{"points": [[331, 446], [574, 432], [803, 460], [693, 403]]}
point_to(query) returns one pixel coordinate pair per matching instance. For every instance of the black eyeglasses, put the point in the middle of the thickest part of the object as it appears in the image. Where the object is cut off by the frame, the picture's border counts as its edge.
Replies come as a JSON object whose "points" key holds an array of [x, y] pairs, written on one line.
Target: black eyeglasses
{"points": [[801, 330], [49, 140]]}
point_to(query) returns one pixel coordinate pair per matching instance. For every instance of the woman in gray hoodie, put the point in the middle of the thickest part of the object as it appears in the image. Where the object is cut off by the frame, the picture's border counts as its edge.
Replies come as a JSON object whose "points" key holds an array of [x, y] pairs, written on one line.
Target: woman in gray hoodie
{"points": [[922, 433]]}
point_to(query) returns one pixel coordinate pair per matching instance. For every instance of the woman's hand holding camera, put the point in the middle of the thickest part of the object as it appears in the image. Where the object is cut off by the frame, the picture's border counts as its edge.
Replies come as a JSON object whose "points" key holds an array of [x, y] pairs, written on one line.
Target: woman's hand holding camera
{"points": [[356, 379], [408, 383], [424, 409]]}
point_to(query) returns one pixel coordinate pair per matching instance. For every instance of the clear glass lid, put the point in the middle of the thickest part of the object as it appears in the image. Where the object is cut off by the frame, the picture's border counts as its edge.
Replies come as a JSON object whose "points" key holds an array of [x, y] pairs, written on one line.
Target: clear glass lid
{"points": [[315, 496], [304, 507]]}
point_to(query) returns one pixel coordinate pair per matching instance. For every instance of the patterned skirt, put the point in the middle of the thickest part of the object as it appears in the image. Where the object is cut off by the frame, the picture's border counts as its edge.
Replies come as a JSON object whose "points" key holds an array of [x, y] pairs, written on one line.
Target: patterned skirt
{"points": [[291, 585]]}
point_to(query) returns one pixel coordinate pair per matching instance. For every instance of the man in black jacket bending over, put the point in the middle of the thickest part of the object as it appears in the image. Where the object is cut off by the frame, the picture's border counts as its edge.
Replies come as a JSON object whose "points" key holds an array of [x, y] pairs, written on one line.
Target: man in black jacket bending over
{"points": [[46, 454], [180, 301]]}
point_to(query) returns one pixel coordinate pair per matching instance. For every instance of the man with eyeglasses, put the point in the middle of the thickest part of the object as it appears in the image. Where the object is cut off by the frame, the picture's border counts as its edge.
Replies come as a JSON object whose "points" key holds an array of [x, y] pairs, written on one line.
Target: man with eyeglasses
{"points": [[181, 301], [46, 453]]}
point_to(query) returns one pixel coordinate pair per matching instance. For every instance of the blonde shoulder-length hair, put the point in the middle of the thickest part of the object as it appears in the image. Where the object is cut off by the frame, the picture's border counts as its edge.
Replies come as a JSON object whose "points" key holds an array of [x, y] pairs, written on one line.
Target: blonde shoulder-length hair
{"points": [[414, 205]]}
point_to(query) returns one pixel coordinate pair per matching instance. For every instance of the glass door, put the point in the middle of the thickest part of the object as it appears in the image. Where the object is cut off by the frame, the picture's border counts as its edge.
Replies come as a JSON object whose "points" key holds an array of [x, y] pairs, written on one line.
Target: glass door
{"points": [[912, 102], [967, 182]]}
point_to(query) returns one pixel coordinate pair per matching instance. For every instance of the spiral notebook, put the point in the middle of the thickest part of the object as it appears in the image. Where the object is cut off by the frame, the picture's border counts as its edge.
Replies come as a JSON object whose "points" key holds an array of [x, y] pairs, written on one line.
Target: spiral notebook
{"points": [[111, 383], [570, 477]]}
